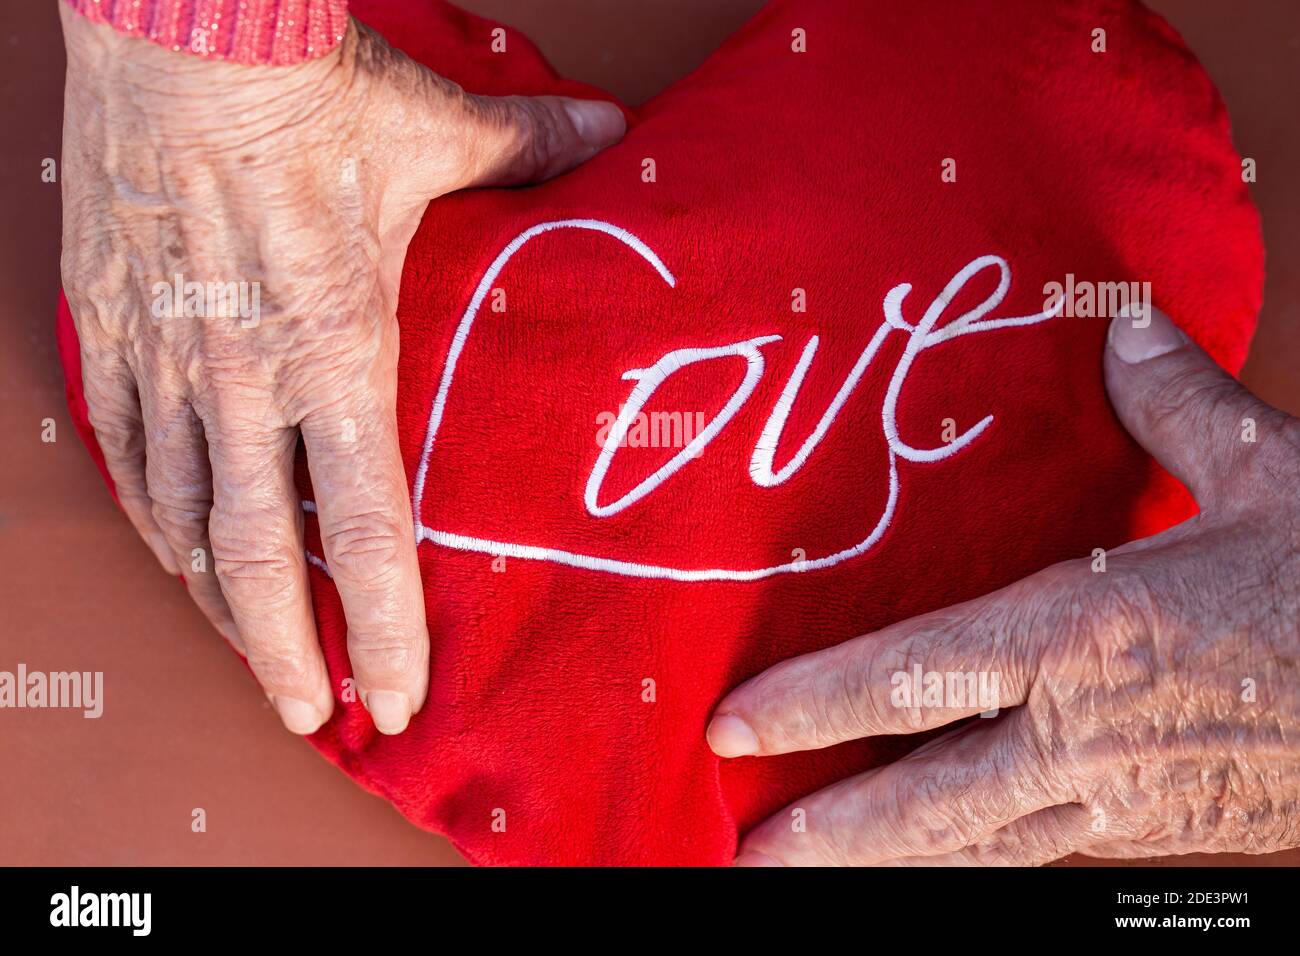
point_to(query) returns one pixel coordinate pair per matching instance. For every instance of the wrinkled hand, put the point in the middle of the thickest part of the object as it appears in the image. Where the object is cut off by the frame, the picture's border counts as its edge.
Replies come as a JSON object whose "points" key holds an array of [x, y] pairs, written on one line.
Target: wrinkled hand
{"points": [[308, 180], [1154, 706]]}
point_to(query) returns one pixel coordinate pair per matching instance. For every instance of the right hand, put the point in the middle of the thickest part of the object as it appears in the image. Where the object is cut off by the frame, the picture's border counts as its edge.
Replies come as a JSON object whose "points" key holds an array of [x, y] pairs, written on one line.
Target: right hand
{"points": [[309, 180]]}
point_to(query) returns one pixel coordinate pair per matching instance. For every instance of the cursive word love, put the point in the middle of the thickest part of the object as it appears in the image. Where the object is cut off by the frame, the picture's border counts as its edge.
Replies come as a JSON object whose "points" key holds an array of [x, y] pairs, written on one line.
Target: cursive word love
{"points": [[921, 336]]}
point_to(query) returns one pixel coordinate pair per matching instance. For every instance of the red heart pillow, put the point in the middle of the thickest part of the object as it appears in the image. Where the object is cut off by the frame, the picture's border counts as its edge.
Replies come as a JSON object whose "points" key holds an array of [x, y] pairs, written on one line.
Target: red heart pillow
{"points": [[783, 367]]}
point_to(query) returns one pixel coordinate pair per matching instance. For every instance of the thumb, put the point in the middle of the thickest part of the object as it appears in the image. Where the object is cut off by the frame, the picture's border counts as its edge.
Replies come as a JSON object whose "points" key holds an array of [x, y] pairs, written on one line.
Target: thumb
{"points": [[1192, 416], [526, 139]]}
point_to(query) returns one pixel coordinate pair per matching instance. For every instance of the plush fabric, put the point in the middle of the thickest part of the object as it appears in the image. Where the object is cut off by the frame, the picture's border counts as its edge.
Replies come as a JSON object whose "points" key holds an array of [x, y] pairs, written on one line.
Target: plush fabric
{"points": [[570, 693]]}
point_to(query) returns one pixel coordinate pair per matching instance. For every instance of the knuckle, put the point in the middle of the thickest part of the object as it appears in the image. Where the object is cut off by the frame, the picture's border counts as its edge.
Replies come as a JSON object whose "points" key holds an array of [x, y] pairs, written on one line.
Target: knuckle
{"points": [[930, 820], [181, 491], [1277, 461], [1119, 602], [116, 432], [802, 713], [184, 518], [1012, 781], [869, 704], [263, 579], [253, 569], [1128, 604], [547, 137], [1101, 636], [1043, 763], [538, 135], [366, 546], [383, 652], [281, 667], [135, 502], [1192, 395]]}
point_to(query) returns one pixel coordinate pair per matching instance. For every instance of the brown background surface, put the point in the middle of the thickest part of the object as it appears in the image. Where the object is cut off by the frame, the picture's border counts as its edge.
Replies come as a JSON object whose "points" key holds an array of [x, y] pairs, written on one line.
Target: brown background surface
{"points": [[185, 727]]}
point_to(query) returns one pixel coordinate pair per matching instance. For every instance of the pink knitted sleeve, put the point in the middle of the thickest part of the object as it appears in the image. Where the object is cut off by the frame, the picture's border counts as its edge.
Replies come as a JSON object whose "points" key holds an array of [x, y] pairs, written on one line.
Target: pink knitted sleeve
{"points": [[244, 31]]}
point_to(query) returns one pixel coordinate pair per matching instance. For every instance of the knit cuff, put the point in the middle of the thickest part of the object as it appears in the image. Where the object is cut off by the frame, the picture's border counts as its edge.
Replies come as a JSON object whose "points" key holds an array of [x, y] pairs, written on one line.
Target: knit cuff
{"points": [[242, 31]]}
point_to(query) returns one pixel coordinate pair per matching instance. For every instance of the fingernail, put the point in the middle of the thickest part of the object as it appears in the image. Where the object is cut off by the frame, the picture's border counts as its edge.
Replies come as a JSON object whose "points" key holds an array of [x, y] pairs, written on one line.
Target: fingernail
{"points": [[598, 124], [390, 710], [729, 736], [754, 858], [1141, 335], [299, 716]]}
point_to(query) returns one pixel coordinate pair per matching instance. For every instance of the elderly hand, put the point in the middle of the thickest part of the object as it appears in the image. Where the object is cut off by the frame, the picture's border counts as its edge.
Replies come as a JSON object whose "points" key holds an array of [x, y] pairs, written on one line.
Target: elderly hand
{"points": [[304, 183], [1154, 707]]}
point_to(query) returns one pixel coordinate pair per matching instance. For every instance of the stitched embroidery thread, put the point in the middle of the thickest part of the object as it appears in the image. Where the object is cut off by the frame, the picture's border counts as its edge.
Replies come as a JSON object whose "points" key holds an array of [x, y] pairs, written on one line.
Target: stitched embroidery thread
{"points": [[921, 336]]}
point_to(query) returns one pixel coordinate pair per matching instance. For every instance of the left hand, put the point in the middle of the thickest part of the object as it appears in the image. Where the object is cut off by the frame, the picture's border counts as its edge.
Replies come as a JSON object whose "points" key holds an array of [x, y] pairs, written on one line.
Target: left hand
{"points": [[1155, 707]]}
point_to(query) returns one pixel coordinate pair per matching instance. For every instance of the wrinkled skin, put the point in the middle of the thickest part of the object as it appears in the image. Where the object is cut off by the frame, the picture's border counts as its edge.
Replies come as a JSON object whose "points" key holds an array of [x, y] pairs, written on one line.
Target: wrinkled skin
{"points": [[1148, 709], [309, 180]]}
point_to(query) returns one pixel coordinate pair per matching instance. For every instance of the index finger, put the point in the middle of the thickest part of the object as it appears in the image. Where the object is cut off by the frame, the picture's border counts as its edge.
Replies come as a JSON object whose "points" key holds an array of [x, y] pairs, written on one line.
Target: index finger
{"points": [[939, 799], [912, 676]]}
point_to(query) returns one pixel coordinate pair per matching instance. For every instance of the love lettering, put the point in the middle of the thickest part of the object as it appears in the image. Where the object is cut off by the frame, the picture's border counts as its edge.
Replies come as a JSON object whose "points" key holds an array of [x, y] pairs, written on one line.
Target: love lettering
{"points": [[920, 335]]}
